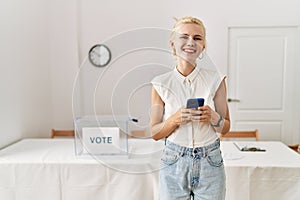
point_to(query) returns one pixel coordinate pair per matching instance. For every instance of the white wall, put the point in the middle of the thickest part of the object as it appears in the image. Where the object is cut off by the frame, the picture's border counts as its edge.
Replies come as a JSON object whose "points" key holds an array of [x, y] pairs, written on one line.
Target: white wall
{"points": [[63, 61], [102, 19], [25, 66], [41, 40], [38, 66]]}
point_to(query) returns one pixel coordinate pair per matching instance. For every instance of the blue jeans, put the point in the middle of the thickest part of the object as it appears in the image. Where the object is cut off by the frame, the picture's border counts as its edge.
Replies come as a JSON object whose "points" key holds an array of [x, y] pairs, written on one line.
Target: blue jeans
{"points": [[187, 172]]}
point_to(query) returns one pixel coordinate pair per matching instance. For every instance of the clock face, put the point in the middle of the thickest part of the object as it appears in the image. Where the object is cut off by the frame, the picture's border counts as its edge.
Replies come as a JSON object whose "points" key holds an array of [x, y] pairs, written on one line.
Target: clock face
{"points": [[99, 55]]}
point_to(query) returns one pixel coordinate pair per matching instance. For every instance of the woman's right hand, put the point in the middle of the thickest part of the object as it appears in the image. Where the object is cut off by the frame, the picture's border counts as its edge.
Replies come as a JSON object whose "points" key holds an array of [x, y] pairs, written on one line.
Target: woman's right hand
{"points": [[182, 116], [163, 129]]}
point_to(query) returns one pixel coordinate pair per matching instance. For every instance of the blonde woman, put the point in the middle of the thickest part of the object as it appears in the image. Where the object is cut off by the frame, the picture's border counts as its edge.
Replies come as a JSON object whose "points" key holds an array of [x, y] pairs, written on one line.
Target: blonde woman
{"points": [[192, 163]]}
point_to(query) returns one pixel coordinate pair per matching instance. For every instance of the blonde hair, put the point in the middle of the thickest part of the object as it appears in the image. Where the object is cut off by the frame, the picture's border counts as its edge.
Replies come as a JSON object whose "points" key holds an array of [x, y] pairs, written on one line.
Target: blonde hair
{"points": [[187, 20]]}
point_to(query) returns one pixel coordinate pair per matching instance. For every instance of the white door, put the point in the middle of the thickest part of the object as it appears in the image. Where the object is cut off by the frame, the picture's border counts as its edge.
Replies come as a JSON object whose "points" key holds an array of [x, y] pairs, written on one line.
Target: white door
{"points": [[260, 80]]}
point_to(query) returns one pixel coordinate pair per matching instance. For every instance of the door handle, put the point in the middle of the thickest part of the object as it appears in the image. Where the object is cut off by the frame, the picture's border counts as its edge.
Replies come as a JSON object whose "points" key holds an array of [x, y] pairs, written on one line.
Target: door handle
{"points": [[233, 100]]}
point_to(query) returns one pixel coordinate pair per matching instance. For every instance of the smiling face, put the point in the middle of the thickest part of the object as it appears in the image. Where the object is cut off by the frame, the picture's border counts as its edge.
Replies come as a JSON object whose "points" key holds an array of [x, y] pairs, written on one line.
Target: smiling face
{"points": [[188, 42]]}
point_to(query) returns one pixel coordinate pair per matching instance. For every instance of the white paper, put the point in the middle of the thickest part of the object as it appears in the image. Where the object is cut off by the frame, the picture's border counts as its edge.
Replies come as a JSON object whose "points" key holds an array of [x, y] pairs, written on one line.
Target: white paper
{"points": [[245, 146], [101, 140]]}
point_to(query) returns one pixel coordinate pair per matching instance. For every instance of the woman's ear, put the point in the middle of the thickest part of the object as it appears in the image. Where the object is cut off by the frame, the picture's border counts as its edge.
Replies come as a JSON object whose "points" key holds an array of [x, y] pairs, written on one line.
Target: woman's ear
{"points": [[173, 47], [171, 44], [204, 45]]}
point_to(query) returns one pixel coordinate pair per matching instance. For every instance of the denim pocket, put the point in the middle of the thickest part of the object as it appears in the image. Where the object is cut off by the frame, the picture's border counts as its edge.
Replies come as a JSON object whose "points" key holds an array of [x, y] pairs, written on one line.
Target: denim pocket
{"points": [[214, 158], [169, 156]]}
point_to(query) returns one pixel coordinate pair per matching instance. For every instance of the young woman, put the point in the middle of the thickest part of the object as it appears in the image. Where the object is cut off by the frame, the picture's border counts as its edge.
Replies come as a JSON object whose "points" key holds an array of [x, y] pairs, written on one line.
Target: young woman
{"points": [[192, 163]]}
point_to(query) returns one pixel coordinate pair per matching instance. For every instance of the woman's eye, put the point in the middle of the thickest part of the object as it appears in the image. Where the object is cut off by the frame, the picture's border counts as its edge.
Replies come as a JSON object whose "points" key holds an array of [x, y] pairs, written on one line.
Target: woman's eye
{"points": [[197, 38], [184, 37]]}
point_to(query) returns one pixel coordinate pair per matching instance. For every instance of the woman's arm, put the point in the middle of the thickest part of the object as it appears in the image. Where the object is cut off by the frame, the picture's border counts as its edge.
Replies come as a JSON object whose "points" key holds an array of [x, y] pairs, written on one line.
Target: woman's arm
{"points": [[206, 114], [221, 106], [162, 129]]}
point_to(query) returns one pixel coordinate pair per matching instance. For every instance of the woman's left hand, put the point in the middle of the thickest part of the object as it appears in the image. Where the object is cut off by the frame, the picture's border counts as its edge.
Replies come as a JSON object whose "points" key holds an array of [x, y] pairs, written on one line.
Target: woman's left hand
{"points": [[203, 114]]}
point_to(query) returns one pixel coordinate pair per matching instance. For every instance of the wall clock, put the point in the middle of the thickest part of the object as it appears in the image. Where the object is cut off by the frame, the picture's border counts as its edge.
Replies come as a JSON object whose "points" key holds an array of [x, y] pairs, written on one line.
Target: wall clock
{"points": [[99, 55]]}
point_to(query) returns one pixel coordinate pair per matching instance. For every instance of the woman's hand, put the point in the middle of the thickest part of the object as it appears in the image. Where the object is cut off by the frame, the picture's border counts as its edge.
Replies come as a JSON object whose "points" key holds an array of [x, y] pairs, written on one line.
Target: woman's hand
{"points": [[182, 116], [204, 114], [162, 129]]}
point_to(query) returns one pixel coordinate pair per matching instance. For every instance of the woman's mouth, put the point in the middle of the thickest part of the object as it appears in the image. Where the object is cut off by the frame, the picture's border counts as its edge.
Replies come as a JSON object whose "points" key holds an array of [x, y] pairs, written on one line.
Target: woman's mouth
{"points": [[188, 50]]}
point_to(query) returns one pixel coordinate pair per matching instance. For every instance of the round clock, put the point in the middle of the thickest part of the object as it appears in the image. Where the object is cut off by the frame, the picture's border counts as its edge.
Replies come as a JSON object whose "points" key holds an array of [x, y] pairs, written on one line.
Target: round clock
{"points": [[99, 55]]}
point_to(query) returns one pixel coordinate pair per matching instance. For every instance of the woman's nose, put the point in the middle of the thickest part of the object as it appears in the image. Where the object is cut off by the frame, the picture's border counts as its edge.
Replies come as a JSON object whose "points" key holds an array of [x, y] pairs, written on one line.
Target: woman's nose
{"points": [[190, 41]]}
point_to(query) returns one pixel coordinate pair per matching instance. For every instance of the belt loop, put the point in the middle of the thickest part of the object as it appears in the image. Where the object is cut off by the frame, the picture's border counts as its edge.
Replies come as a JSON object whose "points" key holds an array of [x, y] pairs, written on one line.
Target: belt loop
{"points": [[182, 152], [204, 152]]}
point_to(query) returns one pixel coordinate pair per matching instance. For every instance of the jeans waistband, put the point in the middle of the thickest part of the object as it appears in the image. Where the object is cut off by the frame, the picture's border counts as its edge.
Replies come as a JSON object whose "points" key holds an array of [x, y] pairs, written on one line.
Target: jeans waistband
{"points": [[202, 151]]}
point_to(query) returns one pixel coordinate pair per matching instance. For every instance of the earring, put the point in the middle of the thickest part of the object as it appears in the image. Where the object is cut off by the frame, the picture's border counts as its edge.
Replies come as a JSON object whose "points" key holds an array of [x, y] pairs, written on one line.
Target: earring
{"points": [[174, 51], [201, 55]]}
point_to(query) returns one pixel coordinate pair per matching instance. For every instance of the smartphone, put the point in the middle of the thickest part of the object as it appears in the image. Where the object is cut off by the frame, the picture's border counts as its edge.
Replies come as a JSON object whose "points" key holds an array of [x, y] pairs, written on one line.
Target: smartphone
{"points": [[194, 103]]}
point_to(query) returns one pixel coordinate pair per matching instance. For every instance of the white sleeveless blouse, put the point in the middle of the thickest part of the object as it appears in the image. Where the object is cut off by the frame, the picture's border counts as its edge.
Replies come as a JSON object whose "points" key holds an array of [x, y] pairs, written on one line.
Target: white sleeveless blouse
{"points": [[174, 89]]}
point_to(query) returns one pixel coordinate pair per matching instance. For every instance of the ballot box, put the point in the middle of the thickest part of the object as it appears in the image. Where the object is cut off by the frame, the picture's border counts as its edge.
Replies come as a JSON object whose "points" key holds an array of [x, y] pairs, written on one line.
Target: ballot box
{"points": [[101, 135]]}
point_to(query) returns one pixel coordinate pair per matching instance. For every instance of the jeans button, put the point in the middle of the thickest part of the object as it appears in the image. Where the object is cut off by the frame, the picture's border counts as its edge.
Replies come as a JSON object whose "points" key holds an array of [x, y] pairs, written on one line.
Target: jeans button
{"points": [[195, 151]]}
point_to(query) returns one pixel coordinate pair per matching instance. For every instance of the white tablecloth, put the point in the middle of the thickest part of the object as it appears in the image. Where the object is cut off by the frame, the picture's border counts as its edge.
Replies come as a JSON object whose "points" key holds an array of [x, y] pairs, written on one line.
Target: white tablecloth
{"points": [[270, 175], [36, 169], [47, 169]]}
